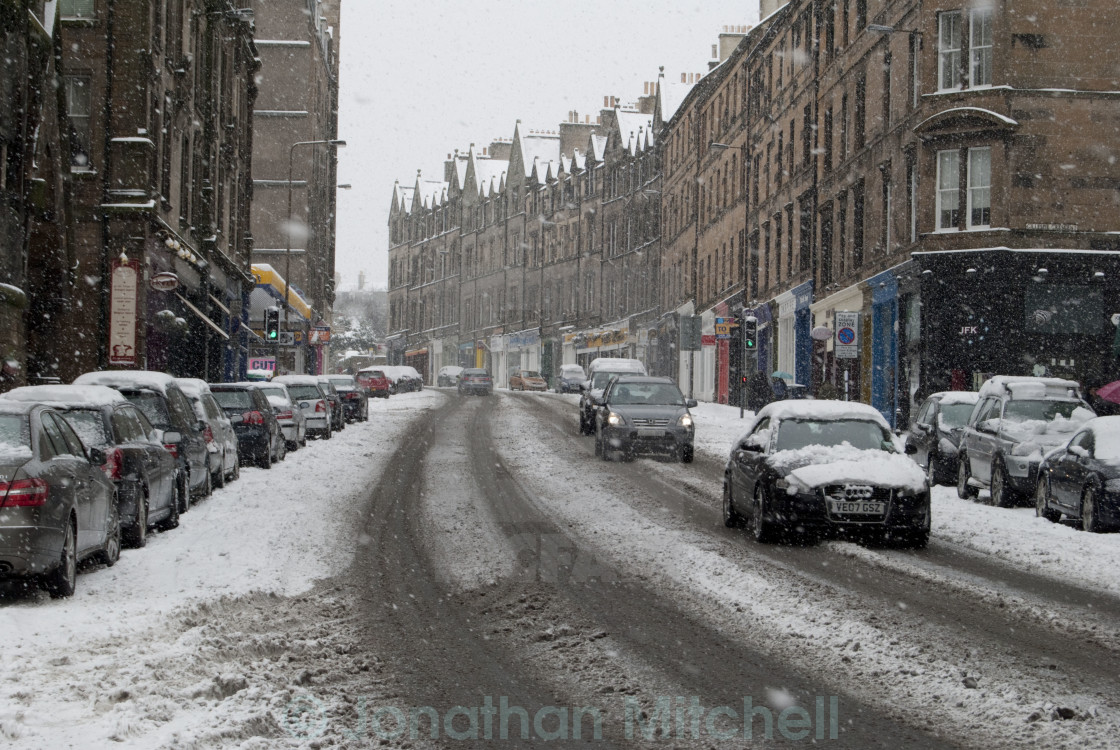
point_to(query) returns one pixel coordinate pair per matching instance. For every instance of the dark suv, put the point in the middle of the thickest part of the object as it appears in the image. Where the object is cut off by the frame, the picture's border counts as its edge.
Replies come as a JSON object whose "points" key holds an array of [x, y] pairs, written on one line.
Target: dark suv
{"points": [[1015, 422], [355, 402], [638, 413]]}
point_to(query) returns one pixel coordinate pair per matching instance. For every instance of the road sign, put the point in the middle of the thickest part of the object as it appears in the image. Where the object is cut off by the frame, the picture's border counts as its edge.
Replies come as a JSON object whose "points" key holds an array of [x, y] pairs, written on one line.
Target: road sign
{"points": [[287, 338], [725, 326], [847, 345]]}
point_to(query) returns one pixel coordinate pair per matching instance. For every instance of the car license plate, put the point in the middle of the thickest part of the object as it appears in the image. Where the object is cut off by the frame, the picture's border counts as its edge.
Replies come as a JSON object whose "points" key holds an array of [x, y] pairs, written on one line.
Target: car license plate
{"points": [[650, 432], [860, 507]]}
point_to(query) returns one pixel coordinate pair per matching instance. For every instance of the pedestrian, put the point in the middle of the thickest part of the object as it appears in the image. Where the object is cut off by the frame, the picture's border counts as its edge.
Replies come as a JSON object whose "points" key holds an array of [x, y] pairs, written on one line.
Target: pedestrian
{"points": [[780, 390], [759, 393]]}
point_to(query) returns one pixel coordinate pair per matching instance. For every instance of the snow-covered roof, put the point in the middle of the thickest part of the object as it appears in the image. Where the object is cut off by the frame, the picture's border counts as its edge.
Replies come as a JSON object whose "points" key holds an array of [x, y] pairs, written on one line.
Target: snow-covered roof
{"points": [[147, 379], [616, 364], [598, 144], [635, 130], [957, 397], [67, 395], [193, 386], [402, 197], [820, 409], [1030, 387], [431, 193], [1107, 432], [488, 174], [535, 147], [296, 379], [672, 96]]}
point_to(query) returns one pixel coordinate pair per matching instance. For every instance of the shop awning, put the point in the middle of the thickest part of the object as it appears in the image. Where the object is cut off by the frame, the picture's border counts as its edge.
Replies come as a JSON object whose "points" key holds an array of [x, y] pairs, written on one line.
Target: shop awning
{"points": [[272, 282], [217, 328]]}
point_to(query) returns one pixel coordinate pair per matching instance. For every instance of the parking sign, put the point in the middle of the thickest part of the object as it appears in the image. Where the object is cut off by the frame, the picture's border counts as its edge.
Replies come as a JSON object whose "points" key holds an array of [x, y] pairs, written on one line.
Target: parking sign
{"points": [[846, 345]]}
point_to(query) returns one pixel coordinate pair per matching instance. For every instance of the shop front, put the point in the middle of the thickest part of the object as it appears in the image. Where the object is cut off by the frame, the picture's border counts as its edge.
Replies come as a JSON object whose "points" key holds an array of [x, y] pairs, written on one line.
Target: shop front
{"points": [[836, 370]]}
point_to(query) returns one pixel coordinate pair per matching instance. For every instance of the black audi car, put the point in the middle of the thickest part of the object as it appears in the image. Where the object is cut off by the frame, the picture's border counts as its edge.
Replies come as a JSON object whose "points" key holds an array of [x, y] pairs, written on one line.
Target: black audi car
{"points": [[1081, 479], [824, 468]]}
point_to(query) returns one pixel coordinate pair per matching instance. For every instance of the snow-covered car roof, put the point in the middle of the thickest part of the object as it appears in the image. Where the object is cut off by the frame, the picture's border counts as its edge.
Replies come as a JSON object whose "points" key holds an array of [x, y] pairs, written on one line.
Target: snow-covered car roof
{"points": [[296, 379], [616, 364], [1030, 387], [193, 387], [1106, 431], [947, 398], [67, 395], [572, 369], [148, 379], [450, 370], [821, 409]]}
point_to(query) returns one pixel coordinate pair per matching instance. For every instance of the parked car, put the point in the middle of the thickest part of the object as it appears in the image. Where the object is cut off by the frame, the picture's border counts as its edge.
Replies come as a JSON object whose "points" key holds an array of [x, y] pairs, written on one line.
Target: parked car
{"points": [[293, 423], [220, 438], [260, 439], [1016, 420], [57, 506], [527, 380], [936, 433], [448, 376], [642, 414], [824, 468], [355, 402], [375, 382], [169, 410], [475, 380], [338, 418], [599, 374], [149, 488], [306, 396], [571, 377], [1081, 479], [405, 379]]}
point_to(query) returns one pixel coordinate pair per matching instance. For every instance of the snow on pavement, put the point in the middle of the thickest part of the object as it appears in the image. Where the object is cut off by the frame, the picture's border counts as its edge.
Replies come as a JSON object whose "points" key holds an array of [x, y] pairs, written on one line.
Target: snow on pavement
{"points": [[80, 672]]}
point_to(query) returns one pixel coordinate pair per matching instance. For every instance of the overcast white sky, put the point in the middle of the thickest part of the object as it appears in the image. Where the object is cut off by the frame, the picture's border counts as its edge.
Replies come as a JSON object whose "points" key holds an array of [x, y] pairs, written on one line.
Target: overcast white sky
{"points": [[421, 78]]}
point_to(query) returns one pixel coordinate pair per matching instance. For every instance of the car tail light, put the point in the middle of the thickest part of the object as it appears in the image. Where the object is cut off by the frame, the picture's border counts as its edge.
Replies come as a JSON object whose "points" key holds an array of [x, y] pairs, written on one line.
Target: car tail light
{"points": [[172, 448], [252, 417], [208, 434], [320, 406], [114, 464], [284, 414], [24, 493]]}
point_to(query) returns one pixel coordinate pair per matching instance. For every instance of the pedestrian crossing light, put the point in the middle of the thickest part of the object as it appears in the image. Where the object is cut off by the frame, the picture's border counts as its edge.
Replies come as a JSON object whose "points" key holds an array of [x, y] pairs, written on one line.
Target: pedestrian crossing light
{"points": [[272, 323], [750, 333]]}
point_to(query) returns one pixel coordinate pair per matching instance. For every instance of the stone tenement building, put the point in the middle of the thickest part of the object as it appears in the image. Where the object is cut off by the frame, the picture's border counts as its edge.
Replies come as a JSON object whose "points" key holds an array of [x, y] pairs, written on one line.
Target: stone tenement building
{"points": [[947, 173]]}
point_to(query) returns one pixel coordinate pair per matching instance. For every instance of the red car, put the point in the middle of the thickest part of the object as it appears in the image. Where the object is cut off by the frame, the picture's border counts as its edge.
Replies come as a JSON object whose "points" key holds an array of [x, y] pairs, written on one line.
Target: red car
{"points": [[374, 381]]}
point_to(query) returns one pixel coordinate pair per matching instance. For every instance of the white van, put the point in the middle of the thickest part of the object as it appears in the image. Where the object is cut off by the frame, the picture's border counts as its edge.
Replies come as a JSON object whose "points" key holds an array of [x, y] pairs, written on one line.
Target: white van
{"points": [[599, 372]]}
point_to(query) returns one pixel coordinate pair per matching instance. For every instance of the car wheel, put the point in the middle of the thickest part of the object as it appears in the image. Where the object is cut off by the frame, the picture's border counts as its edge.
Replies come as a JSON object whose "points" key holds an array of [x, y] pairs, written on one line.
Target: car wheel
{"points": [[762, 530], [731, 517], [207, 485], [1042, 507], [1091, 512], [236, 474], [172, 520], [598, 445], [329, 433], [1002, 495], [185, 495], [137, 536], [965, 491], [111, 552], [61, 581], [219, 478], [282, 452], [686, 454], [932, 469], [265, 459]]}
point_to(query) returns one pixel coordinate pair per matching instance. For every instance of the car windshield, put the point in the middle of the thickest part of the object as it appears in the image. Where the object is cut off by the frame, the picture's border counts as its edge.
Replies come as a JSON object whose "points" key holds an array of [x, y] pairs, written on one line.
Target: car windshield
{"points": [[304, 392], [955, 415], [1046, 411], [342, 382], [530, 374], [666, 394], [601, 378], [476, 373], [153, 407], [15, 437], [90, 427], [234, 399], [858, 433], [278, 393]]}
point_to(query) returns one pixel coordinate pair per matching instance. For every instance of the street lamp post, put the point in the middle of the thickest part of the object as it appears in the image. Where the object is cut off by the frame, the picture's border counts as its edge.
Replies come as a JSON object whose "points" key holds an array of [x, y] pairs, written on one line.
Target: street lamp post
{"points": [[288, 248]]}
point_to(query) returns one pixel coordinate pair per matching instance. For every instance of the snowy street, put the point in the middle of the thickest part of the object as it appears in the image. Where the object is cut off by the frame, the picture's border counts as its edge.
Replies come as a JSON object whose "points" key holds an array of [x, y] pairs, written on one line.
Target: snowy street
{"points": [[469, 559]]}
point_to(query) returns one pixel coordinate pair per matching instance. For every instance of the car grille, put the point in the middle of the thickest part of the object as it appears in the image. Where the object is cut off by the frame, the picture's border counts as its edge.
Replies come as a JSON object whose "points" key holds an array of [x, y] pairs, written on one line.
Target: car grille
{"points": [[858, 492], [639, 422]]}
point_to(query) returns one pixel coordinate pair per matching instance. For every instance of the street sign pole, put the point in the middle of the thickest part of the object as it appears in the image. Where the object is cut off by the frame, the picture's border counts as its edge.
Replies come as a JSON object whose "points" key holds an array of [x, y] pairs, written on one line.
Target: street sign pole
{"points": [[748, 330]]}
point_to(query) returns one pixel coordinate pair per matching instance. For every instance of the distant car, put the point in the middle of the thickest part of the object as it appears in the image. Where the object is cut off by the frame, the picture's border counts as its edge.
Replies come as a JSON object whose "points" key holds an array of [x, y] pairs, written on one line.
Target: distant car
{"points": [[1082, 478], [338, 418], [823, 467], [220, 438], [448, 376], [292, 420], [527, 380], [57, 506], [316, 407], [642, 414], [375, 382], [936, 433], [601, 371], [571, 378], [150, 489], [1014, 422], [260, 438], [169, 410], [405, 379], [475, 380], [355, 402]]}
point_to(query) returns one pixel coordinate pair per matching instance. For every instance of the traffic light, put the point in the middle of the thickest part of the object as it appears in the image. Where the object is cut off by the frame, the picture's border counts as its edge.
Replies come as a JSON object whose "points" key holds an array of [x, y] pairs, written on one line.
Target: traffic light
{"points": [[271, 323], [750, 333]]}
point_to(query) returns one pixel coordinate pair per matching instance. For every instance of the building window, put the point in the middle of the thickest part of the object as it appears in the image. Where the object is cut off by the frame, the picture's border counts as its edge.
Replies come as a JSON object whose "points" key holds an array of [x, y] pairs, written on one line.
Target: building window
{"points": [[887, 90], [980, 48], [915, 57], [857, 225], [861, 110], [79, 107], [827, 138], [912, 197], [949, 51], [979, 187], [861, 14], [888, 207], [77, 9], [948, 189]]}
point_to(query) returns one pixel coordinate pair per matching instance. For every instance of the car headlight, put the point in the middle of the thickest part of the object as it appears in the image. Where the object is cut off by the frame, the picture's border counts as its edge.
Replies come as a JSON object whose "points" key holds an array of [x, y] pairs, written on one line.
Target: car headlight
{"points": [[685, 420], [614, 419], [781, 483]]}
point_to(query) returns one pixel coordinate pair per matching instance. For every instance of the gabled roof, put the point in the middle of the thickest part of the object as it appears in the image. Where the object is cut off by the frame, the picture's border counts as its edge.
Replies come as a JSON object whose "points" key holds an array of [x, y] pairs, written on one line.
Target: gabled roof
{"points": [[543, 147], [402, 198], [431, 193], [670, 98], [597, 146], [635, 130]]}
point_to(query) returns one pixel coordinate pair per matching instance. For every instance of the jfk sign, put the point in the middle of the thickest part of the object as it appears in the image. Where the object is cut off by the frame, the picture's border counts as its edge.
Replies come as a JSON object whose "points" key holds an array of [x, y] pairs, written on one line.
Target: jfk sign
{"points": [[846, 345]]}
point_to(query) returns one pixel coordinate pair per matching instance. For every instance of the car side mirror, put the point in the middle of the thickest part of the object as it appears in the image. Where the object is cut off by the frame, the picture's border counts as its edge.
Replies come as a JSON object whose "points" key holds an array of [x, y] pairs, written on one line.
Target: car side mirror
{"points": [[691, 403], [991, 426], [1078, 451], [751, 447], [172, 437], [97, 456]]}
